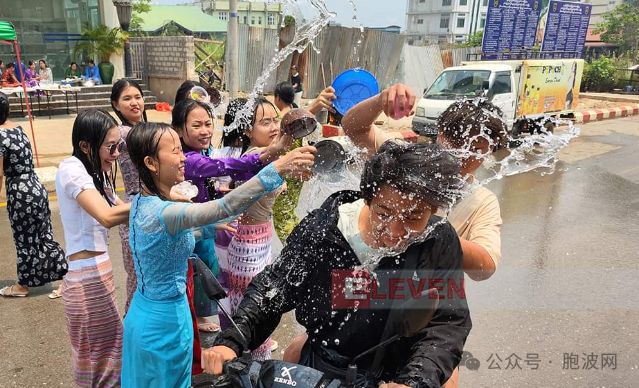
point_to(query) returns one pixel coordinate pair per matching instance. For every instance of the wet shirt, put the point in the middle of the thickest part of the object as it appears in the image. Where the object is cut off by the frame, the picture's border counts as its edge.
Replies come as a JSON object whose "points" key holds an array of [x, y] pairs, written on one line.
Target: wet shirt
{"points": [[348, 224], [262, 210], [303, 279], [477, 218], [81, 231], [199, 168], [163, 233], [130, 176]]}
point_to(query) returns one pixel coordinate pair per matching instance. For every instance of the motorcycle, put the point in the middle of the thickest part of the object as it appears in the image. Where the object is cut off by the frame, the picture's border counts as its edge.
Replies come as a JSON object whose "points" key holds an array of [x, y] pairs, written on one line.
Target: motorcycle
{"points": [[410, 318]]}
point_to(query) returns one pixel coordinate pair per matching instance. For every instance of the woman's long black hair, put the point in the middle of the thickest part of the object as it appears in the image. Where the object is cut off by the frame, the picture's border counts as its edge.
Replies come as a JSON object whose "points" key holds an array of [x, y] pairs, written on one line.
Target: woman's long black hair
{"points": [[144, 140], [91, 127], [229, 138], [180, 114], [116, 92]]}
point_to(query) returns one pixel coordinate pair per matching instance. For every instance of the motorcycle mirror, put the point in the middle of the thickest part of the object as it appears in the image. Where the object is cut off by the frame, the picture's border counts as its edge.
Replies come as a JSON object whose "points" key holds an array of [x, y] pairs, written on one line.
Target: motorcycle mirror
{"points": [[485, 85], [214, 291], [210, 285]]}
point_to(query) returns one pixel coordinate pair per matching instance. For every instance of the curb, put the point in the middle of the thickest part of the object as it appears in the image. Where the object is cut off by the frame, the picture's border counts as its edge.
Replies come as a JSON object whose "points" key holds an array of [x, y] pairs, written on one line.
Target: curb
{"points": [[585, 116]]}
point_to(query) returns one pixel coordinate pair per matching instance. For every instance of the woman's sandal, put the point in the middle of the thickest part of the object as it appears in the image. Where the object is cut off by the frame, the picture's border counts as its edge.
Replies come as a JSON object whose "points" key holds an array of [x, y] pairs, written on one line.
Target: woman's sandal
{"points": [[55, 294], [208, 327], [8, 292]]}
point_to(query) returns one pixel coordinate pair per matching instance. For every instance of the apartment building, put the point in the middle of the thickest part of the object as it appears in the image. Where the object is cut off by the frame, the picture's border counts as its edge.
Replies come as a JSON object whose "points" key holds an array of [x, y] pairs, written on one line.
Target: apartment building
{"points": [[443, 21], [253, 13], [599, 7]]}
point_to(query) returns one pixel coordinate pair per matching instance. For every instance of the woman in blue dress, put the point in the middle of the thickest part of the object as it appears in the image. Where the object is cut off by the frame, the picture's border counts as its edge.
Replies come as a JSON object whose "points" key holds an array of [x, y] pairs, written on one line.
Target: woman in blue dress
{"points": [[158, 335]]}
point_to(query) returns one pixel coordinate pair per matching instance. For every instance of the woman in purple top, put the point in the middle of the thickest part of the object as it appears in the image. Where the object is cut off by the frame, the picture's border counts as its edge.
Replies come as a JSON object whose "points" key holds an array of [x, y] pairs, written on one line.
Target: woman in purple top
{"points": [[193, 121], [31, 75]]}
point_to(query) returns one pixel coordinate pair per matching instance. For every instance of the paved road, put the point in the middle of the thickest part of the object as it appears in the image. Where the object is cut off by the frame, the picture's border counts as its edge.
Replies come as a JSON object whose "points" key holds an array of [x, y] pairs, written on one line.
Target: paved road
{"points": [[566, 285]]}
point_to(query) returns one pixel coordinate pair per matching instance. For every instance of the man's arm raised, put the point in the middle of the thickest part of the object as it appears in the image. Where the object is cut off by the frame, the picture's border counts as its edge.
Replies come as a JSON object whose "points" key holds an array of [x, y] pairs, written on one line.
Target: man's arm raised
{"points": [[358, 123]]}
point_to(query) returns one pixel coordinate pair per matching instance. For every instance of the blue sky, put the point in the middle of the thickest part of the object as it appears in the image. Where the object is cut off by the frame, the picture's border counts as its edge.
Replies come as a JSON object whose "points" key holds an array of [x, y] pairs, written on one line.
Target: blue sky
{"points": [[372, 13]]}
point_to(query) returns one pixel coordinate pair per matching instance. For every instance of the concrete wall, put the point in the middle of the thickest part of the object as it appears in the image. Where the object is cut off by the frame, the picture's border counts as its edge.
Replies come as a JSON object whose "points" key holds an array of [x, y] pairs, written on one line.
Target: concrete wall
{"points": [[169, 62]]}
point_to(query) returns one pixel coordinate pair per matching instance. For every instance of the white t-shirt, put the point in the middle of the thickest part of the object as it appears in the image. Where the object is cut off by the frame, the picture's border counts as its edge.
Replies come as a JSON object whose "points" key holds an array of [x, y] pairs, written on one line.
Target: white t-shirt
{"points": [[81, 231], [348, 224], [477, 218]]}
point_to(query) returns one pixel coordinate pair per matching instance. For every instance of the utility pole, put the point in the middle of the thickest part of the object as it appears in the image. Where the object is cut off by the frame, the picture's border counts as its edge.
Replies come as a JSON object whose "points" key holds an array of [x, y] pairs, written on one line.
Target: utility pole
{"points": [[232, 63]]}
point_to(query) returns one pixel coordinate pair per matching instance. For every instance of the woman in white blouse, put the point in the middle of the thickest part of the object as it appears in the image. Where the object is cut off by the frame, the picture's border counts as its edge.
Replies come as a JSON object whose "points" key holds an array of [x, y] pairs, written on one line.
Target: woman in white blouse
{"points": [[46, 76]]}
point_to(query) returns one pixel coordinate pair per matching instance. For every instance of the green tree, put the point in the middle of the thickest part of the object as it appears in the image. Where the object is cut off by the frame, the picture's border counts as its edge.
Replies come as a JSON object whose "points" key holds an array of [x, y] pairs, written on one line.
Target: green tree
{"points": [[473, 40], [139, 7], [289, 21], [599, 75], [621, 27], [101, 41]]}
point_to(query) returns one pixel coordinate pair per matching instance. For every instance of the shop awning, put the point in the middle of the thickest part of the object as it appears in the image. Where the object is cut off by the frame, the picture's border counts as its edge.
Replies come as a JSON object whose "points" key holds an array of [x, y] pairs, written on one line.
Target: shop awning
{"points": [[7, 32], [8, 36]]}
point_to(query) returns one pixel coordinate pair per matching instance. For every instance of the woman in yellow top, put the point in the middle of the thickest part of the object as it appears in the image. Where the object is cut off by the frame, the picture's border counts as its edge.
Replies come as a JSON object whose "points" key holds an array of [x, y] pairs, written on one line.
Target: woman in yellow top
{"points": [[284, 217]]}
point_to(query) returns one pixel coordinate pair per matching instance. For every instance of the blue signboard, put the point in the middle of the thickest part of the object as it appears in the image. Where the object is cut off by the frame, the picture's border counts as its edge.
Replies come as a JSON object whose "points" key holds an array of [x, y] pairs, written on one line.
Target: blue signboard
{"points": [[511, 28], [566, 29]]}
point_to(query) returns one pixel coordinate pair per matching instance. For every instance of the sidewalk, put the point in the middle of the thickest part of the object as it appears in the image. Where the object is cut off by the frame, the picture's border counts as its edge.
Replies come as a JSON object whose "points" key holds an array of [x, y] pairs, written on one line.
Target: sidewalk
{"points": [[629, 98]]}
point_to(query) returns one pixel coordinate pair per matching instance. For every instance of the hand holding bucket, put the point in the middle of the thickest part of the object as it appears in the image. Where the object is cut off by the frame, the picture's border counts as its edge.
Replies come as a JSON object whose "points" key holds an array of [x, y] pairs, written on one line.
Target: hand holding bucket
{"points": [[298, 123]]}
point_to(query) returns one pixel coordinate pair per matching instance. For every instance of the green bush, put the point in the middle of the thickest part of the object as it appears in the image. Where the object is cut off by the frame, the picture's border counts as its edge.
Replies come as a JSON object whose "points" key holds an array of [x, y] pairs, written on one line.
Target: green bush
{"points": [[600, 75]]}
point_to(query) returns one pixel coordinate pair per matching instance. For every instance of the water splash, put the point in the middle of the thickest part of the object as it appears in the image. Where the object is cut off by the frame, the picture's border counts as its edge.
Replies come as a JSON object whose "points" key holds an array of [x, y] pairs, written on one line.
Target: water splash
{"points": [[361, 30], [305, 35], [537, 152]]}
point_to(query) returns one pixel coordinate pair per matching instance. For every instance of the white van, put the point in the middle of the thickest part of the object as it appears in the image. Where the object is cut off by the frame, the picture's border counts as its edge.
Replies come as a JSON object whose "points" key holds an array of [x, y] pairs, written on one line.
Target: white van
{"points": [[527, 91]]}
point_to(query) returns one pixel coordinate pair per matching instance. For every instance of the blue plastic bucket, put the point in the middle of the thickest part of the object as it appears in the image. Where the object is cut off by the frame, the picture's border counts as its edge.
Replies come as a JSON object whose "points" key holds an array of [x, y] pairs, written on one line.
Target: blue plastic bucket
{"points": [[352, 87]]}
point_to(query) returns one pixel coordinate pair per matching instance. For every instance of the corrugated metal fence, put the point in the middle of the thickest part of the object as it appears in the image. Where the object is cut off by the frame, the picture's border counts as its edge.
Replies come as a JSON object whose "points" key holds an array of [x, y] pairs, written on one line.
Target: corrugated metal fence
{"points": [[257, 48], [377, 52], [384, 54], [420, 66]]}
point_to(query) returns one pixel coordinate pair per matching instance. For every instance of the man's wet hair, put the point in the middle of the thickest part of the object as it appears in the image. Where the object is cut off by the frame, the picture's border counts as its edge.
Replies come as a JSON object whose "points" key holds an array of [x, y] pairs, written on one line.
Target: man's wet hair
{"points": [[424, 170], [471, 117]]}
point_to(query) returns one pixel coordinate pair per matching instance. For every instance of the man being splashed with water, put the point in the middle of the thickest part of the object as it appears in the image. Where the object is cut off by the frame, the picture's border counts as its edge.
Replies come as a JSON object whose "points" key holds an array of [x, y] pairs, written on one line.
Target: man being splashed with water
{"points": [[387, 226], [471, 128]]}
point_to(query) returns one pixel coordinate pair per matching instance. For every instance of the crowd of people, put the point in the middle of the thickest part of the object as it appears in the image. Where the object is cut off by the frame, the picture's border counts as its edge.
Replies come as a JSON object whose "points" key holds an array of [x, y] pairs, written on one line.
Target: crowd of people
{"points": [[248, 188], [38, 73]]}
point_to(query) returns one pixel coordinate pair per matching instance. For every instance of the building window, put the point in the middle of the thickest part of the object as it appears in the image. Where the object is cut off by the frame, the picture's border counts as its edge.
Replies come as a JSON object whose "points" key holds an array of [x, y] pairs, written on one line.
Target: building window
{"points": [[244, 19], [463, 2], [271, 19], [422, 1], [252, 20], [442, 39], [482, 22], [484, 3], [420, 21], [447, 3], [223, 16], [259, 20], [461, 22], [444, 22]]}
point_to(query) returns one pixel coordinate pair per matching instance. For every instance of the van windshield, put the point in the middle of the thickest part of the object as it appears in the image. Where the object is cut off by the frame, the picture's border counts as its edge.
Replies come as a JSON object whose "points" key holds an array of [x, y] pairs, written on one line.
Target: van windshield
{"points": [[457, 83]]}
